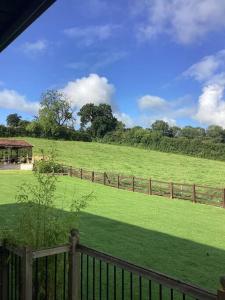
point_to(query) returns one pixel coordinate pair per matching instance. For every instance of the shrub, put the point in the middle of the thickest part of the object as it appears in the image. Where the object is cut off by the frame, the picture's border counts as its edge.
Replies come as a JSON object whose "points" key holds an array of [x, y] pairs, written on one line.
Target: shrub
{"points": [[153, 140]]}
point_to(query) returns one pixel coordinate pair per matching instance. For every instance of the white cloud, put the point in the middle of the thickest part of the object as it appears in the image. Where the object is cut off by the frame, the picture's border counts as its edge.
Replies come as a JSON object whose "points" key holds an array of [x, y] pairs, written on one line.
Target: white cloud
{"points": [[151, 102], [211, 109], [184, 20], [125, 118], [87, 36], [10, 99], [207, 67], [107, 59], [204, 69], [210, 72], [34, 47], [156, 108], [96, 61], [91, 89]]}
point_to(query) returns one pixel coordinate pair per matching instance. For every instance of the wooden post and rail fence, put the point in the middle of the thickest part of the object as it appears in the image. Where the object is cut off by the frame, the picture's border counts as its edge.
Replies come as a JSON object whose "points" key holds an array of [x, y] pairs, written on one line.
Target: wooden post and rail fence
{"points": [[74, 271], [192, 192]]}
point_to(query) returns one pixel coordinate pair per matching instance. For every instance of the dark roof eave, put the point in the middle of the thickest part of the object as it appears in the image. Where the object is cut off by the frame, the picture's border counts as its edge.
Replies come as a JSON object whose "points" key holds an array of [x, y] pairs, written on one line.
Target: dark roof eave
{"points": [[14, 147], [29, 16]]}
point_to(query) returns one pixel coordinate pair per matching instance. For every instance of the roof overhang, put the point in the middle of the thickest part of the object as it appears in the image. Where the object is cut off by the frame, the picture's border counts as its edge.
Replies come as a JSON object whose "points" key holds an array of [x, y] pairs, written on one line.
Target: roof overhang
{"points": [[15, 144], [17, 15]]}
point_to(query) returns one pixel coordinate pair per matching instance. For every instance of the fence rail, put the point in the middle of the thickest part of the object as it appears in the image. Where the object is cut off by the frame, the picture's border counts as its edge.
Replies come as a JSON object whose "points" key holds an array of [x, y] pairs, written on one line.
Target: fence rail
{"points": [[77, 272], [192, 192]]}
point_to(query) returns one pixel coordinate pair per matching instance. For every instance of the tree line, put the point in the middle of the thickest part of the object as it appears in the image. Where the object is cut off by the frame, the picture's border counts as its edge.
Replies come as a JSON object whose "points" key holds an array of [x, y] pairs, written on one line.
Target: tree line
{"points": [[56, 120]]}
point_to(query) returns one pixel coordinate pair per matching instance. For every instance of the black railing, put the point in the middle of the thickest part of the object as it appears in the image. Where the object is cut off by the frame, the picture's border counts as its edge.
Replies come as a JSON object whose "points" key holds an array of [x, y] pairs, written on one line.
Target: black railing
{"points": [[10, 275], [77, 272], [107, 277]]}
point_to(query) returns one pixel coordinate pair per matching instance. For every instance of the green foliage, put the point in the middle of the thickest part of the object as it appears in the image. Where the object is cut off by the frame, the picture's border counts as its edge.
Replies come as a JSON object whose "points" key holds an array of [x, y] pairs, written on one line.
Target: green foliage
{"points": [[41, 224], [192, 132], [216, 133], [161, 127], [99, 117], [55, 112], [13, 120], [34, 129], [47, 165], [155, 141]]}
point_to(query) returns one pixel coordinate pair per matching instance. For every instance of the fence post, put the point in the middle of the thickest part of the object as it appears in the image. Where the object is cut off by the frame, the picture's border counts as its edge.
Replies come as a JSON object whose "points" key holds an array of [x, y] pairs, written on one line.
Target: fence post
{"points": [[133, 184], [4, 272], [150, 186], [223, 197], [26, 274], [81, 173], [194, 193], [93, 176], [171, 190], [74, 266], [104, 178], [118, 181], [221, 292], [70, 171]]}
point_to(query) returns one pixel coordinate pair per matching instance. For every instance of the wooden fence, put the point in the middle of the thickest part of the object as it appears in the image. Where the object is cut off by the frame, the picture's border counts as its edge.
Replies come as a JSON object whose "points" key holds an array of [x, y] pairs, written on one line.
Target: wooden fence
{"points": [[192, 192], [76, 272]]}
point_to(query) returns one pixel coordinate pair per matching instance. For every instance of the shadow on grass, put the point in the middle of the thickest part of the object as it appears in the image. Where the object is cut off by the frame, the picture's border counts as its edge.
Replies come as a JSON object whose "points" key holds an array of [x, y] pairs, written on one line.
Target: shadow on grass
{"points": [[185, 259]]}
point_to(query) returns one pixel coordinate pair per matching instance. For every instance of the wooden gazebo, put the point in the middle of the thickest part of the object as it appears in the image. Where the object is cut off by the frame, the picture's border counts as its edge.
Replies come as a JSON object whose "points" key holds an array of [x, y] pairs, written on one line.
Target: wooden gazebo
{"points": [[15, 151]]}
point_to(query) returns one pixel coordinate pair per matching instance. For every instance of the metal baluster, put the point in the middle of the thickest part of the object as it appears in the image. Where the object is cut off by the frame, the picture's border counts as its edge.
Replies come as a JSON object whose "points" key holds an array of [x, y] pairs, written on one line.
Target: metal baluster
{"points": [[46, 277], [171, 294], [81, 276], [114, 272], [64, 276], [107, 281], [160, 292], [36, 279], [15, 277], [140, 288], [122, 284], [131, 286], [20, 285], [149, 290], [11, 275], [100, 280], [55, 283], [87, 291], [93, 279]]}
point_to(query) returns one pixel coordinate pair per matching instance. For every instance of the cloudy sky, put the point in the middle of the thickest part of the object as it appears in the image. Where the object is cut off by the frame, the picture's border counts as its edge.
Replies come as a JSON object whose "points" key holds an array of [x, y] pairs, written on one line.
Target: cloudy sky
{"points": [[149, 59]]}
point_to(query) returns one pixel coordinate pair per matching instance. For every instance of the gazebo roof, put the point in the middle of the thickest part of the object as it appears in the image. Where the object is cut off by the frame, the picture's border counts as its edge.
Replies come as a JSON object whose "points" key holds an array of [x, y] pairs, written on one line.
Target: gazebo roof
{"points": [[6, 143], [17, 15]]}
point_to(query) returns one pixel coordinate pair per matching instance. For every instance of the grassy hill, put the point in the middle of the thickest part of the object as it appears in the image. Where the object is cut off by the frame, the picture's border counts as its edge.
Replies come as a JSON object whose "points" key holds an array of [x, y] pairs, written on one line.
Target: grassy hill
{"points": [[134, 161], [171, 236]]}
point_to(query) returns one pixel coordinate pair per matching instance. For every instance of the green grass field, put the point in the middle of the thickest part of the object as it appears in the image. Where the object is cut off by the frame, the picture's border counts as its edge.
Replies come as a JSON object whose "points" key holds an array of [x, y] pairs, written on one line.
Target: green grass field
{"points": [[175, 237], [135, 161]]}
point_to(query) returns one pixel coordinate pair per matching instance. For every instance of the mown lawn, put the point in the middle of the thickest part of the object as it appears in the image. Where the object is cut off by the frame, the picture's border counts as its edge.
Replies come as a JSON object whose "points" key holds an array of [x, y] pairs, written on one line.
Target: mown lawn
{"points": [[175, 237], [135, 161]]}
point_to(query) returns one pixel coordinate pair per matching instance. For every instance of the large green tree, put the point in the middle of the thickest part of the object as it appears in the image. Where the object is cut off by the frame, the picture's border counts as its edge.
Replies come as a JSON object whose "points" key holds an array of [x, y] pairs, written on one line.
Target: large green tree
{"points": [[55, 113], [13, 120], [97, 119], [192, 132], [162, 128], [216, 133]]}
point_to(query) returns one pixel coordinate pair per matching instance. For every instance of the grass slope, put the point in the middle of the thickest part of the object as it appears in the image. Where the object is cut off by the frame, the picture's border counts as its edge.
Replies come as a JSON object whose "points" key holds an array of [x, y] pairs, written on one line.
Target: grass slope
{"points": [[138, 162], [175, 237]]}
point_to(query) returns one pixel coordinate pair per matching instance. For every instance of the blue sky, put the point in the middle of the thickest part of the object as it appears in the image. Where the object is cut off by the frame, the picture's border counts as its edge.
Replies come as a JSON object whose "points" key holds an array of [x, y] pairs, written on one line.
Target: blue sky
{"points": [[149, 59]]}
